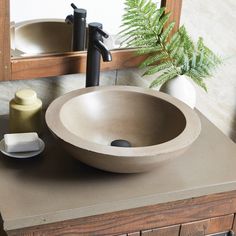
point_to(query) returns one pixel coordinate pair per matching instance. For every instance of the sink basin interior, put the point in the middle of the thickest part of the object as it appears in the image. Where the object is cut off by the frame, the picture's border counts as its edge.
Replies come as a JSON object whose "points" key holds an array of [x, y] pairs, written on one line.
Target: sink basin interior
{"points": [[42, 37], [141, 119], [122, 129]]}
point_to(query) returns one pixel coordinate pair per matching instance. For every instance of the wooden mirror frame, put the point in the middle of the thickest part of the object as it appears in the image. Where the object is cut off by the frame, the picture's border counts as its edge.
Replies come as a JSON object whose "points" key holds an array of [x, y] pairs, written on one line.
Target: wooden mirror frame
{"points": [[66, 63]]}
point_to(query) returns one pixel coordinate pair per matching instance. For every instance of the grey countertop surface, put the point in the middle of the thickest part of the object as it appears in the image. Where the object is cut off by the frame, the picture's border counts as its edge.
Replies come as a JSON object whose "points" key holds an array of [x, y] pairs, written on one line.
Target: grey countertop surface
{"points": [[55, 187]]}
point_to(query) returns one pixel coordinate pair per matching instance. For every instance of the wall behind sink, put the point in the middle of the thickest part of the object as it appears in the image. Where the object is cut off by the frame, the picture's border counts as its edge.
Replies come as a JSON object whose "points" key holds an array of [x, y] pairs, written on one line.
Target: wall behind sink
{"points": [[214, 20]]}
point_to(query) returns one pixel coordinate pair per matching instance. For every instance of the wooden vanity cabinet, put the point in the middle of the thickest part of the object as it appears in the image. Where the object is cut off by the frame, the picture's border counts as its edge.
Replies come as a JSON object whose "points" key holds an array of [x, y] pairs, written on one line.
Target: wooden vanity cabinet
{"points": [[213, 214], [208, 226], [217, 226]]}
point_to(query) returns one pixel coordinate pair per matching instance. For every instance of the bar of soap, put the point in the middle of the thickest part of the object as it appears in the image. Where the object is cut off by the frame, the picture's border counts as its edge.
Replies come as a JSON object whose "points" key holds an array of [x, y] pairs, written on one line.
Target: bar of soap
{"points": [[22, 142]]}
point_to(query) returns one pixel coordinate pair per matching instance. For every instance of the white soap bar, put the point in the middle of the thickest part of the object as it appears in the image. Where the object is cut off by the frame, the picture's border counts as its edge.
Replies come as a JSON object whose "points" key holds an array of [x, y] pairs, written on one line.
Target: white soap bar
{"points": [[22, 142]]}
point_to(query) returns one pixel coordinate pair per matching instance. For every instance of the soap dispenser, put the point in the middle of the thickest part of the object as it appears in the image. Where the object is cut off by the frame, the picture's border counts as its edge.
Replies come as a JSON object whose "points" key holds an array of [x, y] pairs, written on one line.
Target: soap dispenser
{"points": [[25, 112]]}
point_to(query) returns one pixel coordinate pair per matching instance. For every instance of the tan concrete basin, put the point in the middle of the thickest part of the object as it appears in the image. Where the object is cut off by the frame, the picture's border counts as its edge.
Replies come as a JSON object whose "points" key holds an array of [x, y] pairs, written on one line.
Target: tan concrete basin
{"points": [[40, 36], [157, 126]]}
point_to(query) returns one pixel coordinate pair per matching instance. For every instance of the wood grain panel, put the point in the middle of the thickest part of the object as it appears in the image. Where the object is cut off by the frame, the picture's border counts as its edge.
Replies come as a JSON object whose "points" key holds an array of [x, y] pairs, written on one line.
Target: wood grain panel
{"points": [[5, 57], [208, 226], [165, 231], [70, 63], [133, 220], [175, 7]]}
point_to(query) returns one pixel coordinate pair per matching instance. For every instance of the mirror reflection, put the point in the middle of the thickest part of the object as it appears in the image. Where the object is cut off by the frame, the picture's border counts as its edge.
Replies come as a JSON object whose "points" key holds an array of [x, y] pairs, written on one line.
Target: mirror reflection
{"points": [[40, 27]]}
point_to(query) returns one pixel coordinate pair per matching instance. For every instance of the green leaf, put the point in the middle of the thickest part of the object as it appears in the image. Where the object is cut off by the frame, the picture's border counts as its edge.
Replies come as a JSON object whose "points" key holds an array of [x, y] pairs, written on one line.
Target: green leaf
{"points": [[162, 22], [157, 16], [174, 42], [186, 66], [148, 50], [153, 59], [194, 60], [194, 75], [154, 69], [168, 75], [166, 32]]}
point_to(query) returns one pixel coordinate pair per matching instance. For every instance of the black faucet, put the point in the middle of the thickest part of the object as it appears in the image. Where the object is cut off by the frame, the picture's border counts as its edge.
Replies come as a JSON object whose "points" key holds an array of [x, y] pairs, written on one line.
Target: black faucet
{"points": [[96, 48], [79, 27]]}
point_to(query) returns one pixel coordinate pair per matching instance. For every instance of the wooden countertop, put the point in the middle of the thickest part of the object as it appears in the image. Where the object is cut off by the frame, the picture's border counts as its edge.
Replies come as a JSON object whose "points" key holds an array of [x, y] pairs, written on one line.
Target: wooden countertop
{"points": [[55, 187]]}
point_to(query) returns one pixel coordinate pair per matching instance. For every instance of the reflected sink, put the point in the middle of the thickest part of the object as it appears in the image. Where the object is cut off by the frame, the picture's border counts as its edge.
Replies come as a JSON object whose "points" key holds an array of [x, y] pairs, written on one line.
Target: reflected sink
{"points": [[41, 36], [44, 36], [157, 126]]}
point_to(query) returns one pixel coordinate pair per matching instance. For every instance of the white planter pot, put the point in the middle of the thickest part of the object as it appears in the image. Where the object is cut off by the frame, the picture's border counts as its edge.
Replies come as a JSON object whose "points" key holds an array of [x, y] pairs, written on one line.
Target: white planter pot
{"points": [[181, 88]]}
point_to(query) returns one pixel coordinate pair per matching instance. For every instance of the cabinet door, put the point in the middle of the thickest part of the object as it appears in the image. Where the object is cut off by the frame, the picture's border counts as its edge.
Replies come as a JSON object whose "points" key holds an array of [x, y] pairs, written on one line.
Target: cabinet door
{"points": [[165, 231], [208, 226]]}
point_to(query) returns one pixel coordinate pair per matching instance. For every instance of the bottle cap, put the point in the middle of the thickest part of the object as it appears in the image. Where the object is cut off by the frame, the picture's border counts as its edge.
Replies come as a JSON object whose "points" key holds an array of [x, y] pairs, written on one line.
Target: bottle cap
{"points": [[25, 97]]}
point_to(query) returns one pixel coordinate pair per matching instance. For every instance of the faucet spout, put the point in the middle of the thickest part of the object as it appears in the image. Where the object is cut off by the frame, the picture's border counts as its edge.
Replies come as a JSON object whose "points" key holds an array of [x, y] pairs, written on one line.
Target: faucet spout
{"points": [[101, 47], [69, 19], [96, 48]]}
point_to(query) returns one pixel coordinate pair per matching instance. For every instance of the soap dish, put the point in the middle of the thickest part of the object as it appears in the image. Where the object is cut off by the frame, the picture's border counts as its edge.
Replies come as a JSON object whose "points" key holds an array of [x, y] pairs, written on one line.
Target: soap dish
{"points": [[22, 155]]}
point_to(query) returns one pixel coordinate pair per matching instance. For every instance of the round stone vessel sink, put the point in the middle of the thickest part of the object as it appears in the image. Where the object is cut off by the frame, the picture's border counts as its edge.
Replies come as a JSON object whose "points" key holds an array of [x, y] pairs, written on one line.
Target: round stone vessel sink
{"points": [[41, 36], [157, 127]]}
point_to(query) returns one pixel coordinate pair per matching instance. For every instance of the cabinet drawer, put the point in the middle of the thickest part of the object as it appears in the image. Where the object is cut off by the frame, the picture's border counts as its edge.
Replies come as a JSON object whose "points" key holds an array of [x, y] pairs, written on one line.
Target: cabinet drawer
{"points": [[165, 231], [208, 226]]}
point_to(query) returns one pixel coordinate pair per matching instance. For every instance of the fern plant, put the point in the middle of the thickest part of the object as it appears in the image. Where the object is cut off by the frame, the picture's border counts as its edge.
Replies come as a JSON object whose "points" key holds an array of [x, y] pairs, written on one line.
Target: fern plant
{"points": [[146, 27]]}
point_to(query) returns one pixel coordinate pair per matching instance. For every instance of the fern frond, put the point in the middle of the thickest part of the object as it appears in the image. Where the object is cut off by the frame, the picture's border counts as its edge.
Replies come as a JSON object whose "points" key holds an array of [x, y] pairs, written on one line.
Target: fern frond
{"points": [[154, 69], [147, 28], [187, 41], [162, 23], [174, 42], [185, 66], [194, 60], [167, 75], [140, 42], [148, 50], [194, 75], [207, 53], [157, 16], [153, 59], [166, 32]]}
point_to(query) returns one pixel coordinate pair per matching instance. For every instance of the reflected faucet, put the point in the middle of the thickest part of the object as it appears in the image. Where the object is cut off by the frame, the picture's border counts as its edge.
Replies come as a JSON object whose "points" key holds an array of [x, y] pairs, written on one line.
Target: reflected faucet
{"points": [[96, 48], [79, 27]]}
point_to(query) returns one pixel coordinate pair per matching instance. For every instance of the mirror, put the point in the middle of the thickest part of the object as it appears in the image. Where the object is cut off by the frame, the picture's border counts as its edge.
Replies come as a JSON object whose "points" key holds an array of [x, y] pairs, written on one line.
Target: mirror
{"points": [[46, 65], [42, 29]]}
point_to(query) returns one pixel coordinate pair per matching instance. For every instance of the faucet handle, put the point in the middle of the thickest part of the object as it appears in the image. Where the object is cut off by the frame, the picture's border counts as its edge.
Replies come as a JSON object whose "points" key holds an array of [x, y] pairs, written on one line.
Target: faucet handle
{"points": [[74, 6], [103, 33], [96, 31]]}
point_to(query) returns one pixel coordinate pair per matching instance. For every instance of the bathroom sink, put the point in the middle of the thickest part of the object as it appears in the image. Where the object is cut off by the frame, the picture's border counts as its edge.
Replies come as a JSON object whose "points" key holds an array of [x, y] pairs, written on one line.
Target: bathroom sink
{"points": [[40, 36], [157, 127]]}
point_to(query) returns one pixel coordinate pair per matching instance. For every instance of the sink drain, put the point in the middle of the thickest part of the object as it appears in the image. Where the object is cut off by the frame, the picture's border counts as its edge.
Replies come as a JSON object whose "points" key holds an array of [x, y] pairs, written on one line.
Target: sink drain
{"points": [[120, 143]]}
